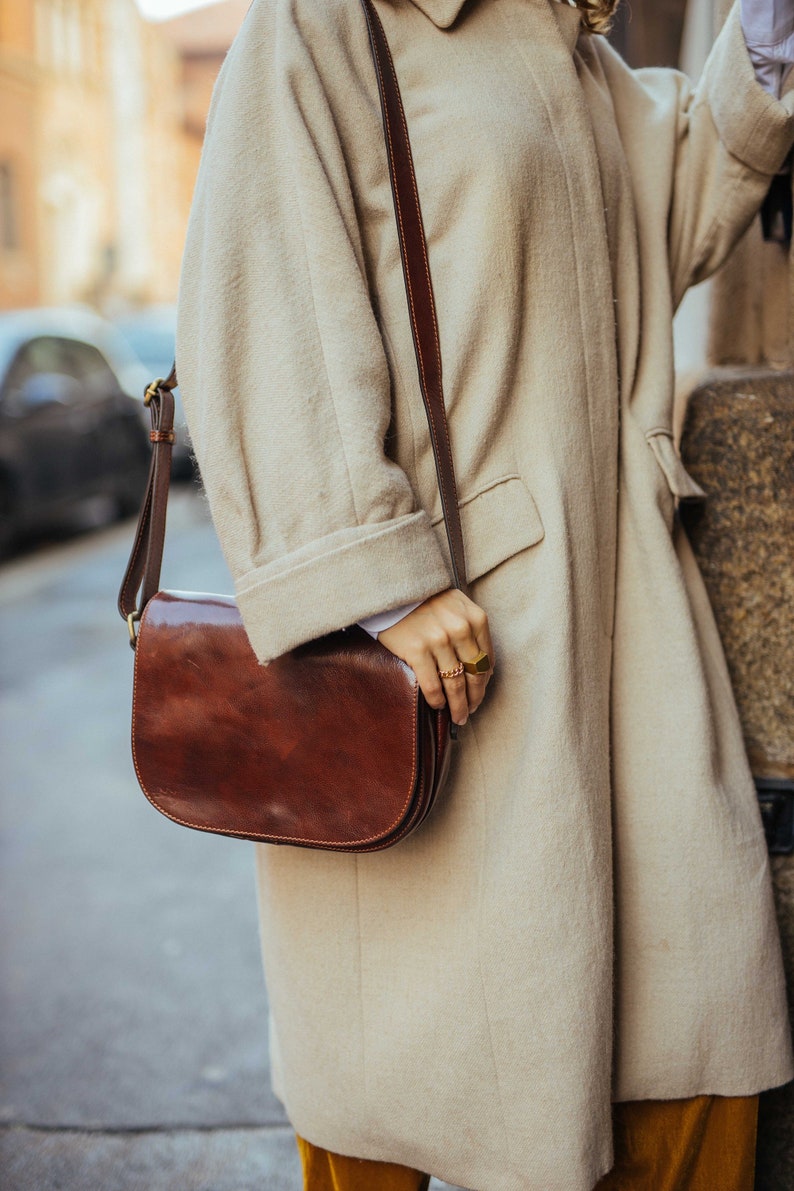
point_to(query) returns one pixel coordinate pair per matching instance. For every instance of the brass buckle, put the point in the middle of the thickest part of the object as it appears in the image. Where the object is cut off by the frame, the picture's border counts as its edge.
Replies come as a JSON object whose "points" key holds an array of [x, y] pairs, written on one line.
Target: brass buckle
{"points": [[152, 390], [131, 620]]}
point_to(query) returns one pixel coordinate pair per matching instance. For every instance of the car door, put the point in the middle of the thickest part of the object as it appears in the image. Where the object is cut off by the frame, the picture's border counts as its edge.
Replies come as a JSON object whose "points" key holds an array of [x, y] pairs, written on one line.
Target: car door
{"points": [[37, 405], [100, 445]]}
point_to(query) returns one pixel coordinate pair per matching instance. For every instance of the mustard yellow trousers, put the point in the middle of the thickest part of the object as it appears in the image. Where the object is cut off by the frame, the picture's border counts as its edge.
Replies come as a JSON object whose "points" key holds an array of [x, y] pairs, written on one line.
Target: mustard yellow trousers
{"points": [[706, 1143]]}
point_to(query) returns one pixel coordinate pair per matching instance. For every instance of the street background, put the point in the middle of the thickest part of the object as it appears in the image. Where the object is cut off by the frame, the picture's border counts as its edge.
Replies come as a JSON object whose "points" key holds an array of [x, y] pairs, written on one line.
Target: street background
{"points": [[133, 1047], [134, 1038]]}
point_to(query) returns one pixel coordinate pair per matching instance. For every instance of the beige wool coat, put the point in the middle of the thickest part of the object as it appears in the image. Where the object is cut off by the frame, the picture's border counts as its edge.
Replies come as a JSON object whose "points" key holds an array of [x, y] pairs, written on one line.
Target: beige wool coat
{"points": [[587, 915]]}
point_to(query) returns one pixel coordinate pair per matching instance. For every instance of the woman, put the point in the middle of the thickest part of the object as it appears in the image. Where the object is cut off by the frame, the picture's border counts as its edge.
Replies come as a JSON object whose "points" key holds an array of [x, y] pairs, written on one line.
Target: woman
{"points": [[587, 916]]}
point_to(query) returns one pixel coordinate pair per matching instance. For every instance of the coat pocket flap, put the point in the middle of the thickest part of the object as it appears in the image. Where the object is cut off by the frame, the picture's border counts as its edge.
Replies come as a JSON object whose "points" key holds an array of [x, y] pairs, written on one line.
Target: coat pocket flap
{"points": [[678, 478], [497, 521]]}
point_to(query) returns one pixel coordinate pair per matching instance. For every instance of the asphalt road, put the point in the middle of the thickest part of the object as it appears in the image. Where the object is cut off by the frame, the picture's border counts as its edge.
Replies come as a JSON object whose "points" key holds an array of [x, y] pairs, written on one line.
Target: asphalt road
{"points": [[133, 1053]]}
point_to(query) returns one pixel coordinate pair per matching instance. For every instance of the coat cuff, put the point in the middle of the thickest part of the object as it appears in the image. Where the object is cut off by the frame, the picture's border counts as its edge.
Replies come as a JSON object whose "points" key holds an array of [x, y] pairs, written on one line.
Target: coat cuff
{"points": [[381, 621], [755, 127], [340, 580]]}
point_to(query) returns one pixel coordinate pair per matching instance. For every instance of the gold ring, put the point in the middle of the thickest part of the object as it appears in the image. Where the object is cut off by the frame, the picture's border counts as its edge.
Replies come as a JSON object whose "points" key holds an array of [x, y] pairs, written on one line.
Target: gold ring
{"points": [[456, 673], [479, 665]]}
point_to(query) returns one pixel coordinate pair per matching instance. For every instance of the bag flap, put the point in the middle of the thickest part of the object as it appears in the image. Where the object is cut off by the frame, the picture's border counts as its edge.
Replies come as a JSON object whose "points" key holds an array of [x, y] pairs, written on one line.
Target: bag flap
{"points": [[321, 747]]}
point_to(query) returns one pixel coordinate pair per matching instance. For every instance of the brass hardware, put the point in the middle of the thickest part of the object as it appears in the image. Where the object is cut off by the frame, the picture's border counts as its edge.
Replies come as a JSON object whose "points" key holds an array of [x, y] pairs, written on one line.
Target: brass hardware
{"points": [[131, 619], [479, 665], [152, 389]]}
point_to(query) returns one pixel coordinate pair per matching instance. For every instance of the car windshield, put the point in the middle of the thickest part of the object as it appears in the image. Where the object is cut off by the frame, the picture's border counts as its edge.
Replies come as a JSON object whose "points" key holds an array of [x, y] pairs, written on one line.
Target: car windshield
{"points": [[19, 328], [154, 346], [10, 341]]}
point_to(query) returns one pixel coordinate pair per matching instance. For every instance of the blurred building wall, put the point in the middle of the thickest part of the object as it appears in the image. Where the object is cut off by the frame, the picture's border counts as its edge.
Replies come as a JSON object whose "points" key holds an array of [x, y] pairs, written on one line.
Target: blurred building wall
{"points": [[96, 162], [649, 33], [19, 257], [202, 38]]}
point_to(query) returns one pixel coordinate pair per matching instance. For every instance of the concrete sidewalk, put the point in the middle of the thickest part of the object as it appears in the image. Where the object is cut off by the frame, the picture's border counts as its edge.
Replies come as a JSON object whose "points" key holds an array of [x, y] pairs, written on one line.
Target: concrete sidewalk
{"points": [[133, 1050], [199, 1160]]}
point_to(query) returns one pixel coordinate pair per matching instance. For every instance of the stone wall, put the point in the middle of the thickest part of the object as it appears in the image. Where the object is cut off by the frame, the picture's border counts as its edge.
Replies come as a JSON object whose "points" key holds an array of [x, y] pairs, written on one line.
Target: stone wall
{"points": [[738, 443]]}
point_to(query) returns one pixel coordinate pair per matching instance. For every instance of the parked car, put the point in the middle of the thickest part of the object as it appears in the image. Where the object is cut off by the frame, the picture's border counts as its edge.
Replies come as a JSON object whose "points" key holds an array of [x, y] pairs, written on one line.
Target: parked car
{"points": [[151, 333], [72, 421]]}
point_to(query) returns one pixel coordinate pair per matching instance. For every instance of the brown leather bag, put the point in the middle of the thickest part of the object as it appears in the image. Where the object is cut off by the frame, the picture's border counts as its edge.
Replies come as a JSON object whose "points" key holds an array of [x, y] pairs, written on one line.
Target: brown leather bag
{"points": [[332, 745]]}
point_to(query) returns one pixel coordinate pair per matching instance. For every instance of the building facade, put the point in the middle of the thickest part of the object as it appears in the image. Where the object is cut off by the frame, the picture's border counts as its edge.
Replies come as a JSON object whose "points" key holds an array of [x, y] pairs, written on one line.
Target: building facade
{"points": [[19, 81], [96, 161]]}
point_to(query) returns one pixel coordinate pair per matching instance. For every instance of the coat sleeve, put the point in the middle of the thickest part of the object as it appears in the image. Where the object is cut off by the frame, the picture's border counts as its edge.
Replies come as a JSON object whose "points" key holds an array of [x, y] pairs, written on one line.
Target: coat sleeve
{"points": [[282, 367], [701, 157]]}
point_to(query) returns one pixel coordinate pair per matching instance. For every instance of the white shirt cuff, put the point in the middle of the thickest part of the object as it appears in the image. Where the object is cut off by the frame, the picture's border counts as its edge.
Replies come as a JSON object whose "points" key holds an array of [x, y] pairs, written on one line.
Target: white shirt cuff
{"points": [[384, 620], [768, 27]]}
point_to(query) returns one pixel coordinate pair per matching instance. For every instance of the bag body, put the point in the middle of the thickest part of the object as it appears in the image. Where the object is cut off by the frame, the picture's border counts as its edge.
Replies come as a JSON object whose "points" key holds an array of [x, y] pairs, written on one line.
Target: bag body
{"points": [[331, 746]]}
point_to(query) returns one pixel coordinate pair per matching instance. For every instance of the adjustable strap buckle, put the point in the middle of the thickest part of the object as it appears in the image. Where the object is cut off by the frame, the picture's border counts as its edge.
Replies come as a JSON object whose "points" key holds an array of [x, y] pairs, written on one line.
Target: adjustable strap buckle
{"points": [[132, 618], [151, 390]]}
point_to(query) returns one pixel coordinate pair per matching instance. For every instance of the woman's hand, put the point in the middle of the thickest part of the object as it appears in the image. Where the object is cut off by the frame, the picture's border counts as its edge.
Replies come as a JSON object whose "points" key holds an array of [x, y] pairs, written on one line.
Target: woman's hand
{"points": [[442, 632]]}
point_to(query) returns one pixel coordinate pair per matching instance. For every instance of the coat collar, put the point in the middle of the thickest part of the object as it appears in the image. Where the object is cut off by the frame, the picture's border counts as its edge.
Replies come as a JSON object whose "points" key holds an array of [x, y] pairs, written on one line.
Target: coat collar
{"points": [[569, 22], [445, 12], [441, 12]]}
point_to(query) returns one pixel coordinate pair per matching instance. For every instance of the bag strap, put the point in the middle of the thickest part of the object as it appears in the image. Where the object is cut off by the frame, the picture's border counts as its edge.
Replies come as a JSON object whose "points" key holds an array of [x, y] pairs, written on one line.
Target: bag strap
{"points": [[143, 568], [418, 287]]}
